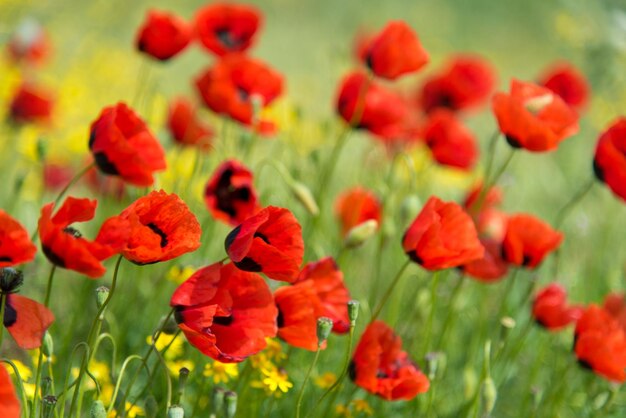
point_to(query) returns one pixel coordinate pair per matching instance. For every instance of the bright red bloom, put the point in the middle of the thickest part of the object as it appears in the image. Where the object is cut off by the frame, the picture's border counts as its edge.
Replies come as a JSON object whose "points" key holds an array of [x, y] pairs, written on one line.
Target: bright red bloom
{"points": [[226, 28], [609, 162], [232, 85], [442, 236], [568, 83], [298, 311], [31, 103], [600, 344], [355, 206], [230, 195], [225, 313], [163, 35], [122, 145], [65, 246], [29, 43], [451, 143], [551, 310], [15, 244], [268, 242], [185, 126], [381, 367], [395, 51], [465, 83], [9, 404], [491, 267], [162, 228], [528, 240], [615, 304], [533, 117]]}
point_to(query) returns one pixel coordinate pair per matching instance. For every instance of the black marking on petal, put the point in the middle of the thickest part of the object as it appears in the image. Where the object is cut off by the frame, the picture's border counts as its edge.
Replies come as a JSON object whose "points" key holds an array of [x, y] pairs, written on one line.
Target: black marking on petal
{"points": [[231, 237], [159, 232], [514, 142], [223, 320], [352, 371], [598, 171], [10, 315], [248, 264], [280, 319], [104, 164], [262, 236], [54, 258], [414, 257]]}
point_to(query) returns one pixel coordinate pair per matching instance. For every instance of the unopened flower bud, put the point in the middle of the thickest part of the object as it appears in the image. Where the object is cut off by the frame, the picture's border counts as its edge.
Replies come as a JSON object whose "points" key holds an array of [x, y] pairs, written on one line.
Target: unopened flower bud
{"points": [[353, 311], [10, 280], [489, 395], [217, 400], [47, 348], [432, 363], [102, 294], [324, 327], [305, 197], [175, 411], [49, 402], [183, 375], [360, 233], [97, 410], [230, 404]]}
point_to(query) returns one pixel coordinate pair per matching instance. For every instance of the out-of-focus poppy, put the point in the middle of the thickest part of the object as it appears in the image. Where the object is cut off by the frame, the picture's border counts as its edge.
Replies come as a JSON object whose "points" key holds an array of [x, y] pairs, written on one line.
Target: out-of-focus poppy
{"points": [[609, 163], [237, 86], [381, 367], [466, 82], [355, 206], [15, 244], [225, 313], [600, 344], [442, 236], [65, 246], [105, 185], [163, 35], [31, 103], [185, 126], [56, 175], [298, 311], [566, 81], [224, 28], [615, 304], [162, 228], [551, 309], [451, 143], [25, 319], [269, 242], [230, 195], [9, 404], [533, 117], [489, 219], [528, 240], [395, 51], [491, 267], [29, 43], [122, 145]]}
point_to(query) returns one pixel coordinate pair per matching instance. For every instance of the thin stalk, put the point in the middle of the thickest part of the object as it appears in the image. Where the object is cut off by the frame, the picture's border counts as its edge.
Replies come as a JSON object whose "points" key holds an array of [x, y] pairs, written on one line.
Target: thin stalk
{"points": [[306, 379], [450, 317], [433, 307], [567, 208], [20, 385], [507, 290], [491, 151], [118, 383], [385, 297]]}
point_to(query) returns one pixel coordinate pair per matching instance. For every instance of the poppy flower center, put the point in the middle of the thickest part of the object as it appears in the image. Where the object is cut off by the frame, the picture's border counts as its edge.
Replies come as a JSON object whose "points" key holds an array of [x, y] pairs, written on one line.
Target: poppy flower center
{"points": [[243, 94], [223, 320], [227, 39], [73, 232], [159, 232], [10, 280]]}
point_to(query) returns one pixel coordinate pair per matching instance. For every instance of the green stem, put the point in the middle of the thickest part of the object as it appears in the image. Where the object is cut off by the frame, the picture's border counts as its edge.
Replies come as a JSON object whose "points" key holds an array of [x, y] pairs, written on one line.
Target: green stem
{"points": [[118, 383], [20, 385], [565, 210], [433, 307], [306, 379], [385, 297], [491, 151], [507, 290], [451, 316]]}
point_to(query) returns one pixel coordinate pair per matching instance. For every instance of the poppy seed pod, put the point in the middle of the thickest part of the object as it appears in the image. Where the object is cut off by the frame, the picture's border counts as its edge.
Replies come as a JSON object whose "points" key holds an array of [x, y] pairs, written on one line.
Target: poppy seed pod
{"points": [[324, 326]]}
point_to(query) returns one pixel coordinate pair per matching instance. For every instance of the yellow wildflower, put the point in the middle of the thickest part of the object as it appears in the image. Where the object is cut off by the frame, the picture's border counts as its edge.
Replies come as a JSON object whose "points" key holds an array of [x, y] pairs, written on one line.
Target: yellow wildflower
{"points": [[175, 350], [326, 380], [343, 411], [276, 379], [178, 274], [361, 405], [174, 366], [221, 372], [133, 412]]}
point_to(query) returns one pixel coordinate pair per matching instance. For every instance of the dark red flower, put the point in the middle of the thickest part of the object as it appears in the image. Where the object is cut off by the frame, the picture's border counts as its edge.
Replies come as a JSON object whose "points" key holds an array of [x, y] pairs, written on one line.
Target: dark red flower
{"points": [[225, 313], [551, 309], [65, 246], [29, 43], [395, 51], [162, 228], [566, 81], [298, 311], [533, 117], [442, 236], [185, 126], [31, 103], [528, 240], [381, 367], [122, 145], [451, 143], [491, 267], [268, 242], [15, 244], [355, 206], [9, 404], [609, 162], [224, 28], [163, 35], [615, 304], [466, 82], [230, 195], [234, 83]]}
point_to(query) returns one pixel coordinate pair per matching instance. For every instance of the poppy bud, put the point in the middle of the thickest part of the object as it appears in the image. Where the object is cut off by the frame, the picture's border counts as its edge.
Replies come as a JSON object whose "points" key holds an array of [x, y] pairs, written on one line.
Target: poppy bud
{"points": [[432, 363], [183, 375], [49, 402], [175, 411], [217, 401], [353, 311], [10, 280], [231, 404], [304, 196], [97, 410], [490, 395], [360, 233], [324, 326], [48, 346], [102, 294]]}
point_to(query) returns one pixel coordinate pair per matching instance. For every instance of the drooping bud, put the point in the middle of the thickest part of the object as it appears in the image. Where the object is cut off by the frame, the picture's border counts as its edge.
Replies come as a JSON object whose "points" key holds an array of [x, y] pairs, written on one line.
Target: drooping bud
{"points": [[97, 410], [432, 364], [324, 327], [10, 280], [230, 404], [470, 381], [360, 233], [175, 411], [49, 402], [353, 311], [305, 197]]}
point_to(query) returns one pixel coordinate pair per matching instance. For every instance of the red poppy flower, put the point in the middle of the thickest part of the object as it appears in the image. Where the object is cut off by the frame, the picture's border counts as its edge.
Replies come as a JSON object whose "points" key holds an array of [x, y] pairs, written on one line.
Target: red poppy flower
{"points": [[31, 103], [451, 143], [9, 404], [600, 344], [568, 83], [615, 304], [467, 82], [489, 219], [331, 291], [162, 228], [225, 28], [122, 145], [163, 35], [442, 236], [29, 43], [533, 117], [381, 367], [15, 244], [185, 126], [225, 313], [268, 242], [65, 246], [355, 206], [56, 175], [298, 311], [230, 195], [551, 310], [234, 83], [491, 267], [609, 163], [395, 51], [528, 240]]}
